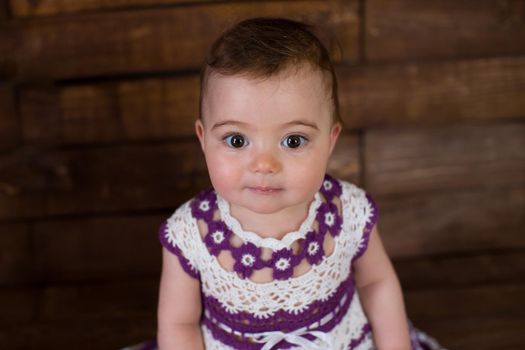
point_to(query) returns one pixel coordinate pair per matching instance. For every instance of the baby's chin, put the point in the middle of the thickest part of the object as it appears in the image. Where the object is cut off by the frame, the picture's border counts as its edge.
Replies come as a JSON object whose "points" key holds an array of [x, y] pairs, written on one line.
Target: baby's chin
{"points": [[259, 204], [270, 204]]}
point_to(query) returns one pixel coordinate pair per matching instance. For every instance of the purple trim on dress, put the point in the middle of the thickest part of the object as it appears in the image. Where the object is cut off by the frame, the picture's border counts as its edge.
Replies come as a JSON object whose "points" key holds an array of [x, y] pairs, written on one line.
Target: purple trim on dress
{"points": [[371, 221], [247, 258], [413, 337], [218, 237], [312, 247], [238, 342], [226, 338], [184, 262], [421, 341], [415, 341], [283, 263], [364, 332], [245, 322], [204, 204], [149, 345], [331, 188], [329, 219]]}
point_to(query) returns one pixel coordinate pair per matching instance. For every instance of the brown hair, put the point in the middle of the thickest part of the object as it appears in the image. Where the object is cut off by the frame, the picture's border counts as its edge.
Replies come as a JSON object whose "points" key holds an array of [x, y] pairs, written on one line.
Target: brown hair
{"points": [[264, 46]]}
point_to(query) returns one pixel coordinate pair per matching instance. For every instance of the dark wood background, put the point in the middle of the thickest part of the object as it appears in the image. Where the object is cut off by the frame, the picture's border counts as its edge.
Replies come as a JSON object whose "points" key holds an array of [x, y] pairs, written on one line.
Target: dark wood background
{"points": [[97, 102]]}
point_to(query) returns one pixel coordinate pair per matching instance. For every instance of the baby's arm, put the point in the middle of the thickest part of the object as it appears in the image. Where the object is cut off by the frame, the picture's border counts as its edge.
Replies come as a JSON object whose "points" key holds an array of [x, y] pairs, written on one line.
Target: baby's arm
{"points": [[381, 296], [179, 307]]}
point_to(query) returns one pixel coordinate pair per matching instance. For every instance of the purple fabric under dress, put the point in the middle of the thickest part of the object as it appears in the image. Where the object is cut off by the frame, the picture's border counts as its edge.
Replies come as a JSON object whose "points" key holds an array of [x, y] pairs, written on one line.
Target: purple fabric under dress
{"points": [[318, 313]]}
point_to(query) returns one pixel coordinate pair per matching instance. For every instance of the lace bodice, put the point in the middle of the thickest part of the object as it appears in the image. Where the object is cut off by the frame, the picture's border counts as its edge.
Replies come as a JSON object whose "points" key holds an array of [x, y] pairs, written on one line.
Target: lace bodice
{"points": [[268, 242], [320, 304]]}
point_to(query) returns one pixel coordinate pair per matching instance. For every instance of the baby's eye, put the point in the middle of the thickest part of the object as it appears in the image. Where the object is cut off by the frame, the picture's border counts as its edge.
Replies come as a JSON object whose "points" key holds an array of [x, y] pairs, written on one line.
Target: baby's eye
{"points": [[294, 141], [235, 141]]}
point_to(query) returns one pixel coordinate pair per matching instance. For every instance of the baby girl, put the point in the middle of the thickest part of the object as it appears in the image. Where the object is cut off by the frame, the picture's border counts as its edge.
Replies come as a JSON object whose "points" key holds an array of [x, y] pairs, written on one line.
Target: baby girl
{"points": [[277, 254]]}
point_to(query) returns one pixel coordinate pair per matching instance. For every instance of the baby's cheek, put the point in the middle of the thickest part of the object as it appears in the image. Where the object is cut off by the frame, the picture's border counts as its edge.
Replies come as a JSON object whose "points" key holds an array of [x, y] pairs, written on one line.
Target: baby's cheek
{"points": [[309, 175], [223, 174]]}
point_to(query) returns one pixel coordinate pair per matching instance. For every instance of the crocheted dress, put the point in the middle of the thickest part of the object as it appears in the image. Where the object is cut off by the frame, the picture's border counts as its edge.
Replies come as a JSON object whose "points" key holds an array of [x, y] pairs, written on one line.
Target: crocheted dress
{"points": [[310, 300]]}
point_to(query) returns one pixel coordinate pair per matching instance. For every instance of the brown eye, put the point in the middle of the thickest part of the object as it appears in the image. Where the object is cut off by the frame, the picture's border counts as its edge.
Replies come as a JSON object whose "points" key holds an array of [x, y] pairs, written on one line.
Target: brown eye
{"points": [[235, 141], [294, 141]]}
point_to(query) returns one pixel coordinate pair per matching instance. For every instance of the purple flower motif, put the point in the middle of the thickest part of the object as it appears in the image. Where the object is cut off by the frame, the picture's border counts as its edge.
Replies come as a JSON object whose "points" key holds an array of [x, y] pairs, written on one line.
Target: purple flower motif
{"points": [[247, 258], [331, 188], [329, 219], [218, 237], [204, 205], [313, 247], [283, 263]]}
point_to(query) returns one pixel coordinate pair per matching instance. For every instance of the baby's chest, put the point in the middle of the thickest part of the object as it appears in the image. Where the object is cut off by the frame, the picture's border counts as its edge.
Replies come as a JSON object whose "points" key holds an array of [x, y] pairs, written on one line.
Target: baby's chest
{"points": [[269, 266]]}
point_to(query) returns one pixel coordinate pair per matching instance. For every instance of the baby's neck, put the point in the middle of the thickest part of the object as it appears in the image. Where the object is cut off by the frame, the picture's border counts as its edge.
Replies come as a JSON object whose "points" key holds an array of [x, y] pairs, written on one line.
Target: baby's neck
{"points": [[274, 225]]}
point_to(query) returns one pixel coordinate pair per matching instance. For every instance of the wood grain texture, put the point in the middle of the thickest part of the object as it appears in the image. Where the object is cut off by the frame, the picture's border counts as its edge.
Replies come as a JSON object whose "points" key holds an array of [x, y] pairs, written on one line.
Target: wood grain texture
{"points": [[481, 318], [481, 334], [97, 104], [459, 271], [4, 12], [459, 222], [160, 40], [29, 8], [345, 162], [402, 30], [47, 182], [103, 301], [457, 317], [445, 158], [8, 42], [9, 123], [16, 254], [371, 96], [99, 248], [432, 93], [85, 335], [18, 306], [108, 112]]}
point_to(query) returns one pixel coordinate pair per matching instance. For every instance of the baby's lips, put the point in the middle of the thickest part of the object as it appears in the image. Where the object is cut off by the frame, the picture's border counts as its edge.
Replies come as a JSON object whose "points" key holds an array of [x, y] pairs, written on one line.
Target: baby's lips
{"points": [[264, 190]]}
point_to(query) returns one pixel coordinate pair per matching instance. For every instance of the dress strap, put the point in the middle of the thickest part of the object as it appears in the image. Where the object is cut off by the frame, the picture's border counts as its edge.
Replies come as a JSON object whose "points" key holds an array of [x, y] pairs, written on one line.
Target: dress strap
{"points": [[371, 213]]}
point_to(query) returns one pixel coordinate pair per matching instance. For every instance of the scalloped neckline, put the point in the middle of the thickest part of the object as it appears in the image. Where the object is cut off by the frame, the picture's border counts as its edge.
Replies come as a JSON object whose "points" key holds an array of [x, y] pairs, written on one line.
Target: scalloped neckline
{"points": [[268, 242]]}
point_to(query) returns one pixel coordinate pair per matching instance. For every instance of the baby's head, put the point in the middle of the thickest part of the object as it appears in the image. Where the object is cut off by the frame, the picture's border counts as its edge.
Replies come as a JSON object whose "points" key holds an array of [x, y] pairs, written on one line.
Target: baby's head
{"points": [[262, 48], [269, 114]]}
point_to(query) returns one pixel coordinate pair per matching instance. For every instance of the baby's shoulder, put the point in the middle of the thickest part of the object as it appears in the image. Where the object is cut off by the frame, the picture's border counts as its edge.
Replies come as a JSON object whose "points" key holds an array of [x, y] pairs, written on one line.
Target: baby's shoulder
{"points": [[360, 215]]}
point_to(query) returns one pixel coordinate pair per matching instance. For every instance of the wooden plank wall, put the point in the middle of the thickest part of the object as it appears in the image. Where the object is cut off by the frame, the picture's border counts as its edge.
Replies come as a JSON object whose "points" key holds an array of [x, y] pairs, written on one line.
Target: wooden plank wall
{"points": [[97, 102]]}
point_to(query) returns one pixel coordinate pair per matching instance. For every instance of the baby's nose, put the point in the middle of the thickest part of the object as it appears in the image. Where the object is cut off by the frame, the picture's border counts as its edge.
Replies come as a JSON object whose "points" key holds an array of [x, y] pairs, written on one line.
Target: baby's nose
{"points": [[265, 163]]}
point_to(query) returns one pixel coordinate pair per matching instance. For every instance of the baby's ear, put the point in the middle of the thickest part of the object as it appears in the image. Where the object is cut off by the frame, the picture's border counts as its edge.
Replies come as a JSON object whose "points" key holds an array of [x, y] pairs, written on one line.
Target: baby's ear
{"points": [[334, 134], [199, 130]]}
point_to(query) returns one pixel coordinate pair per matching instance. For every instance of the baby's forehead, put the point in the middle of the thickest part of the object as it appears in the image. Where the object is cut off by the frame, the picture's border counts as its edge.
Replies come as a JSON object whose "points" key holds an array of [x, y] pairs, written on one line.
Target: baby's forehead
{"points": [[279, 98], [315, 79]]}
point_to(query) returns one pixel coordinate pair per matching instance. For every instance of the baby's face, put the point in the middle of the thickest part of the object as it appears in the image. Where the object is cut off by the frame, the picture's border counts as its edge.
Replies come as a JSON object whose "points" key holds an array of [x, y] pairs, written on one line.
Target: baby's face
{"points": [[267, 142]]}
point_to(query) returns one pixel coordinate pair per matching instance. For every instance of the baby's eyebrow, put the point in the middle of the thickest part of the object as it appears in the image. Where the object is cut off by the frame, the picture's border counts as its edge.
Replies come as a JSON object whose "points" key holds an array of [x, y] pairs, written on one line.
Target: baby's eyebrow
{"points": [[301, 122], [288, 124], [228, 122]]}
